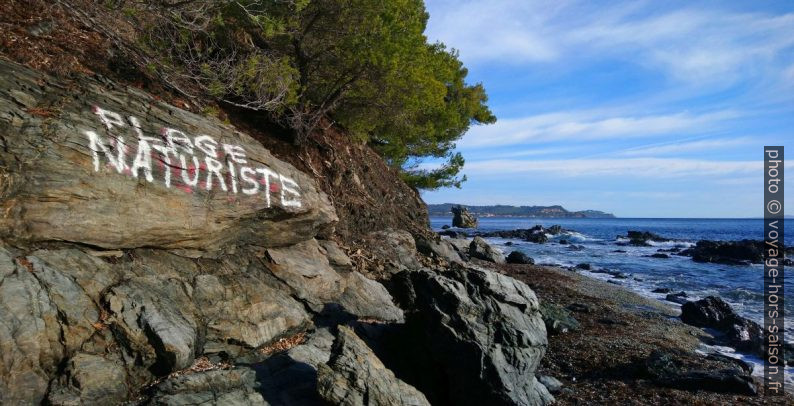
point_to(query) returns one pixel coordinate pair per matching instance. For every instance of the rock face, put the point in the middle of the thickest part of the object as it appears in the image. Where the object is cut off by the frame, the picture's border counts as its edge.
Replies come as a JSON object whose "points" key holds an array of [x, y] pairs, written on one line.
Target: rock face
{"points": [[478, 337], [219, 387], [136, 237], [480, 249], [114, 168], [713, 312], [462, 218], [354, 376], [396, 249]]}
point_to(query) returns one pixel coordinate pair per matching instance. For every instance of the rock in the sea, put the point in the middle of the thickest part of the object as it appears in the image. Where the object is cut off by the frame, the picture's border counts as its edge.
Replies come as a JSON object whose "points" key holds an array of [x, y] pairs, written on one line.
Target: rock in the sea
{"points": [[659, 255], [354, 376], [662, 290], [518, 257], [584, 266], [462, 218], [726, 252], [680, 297], [480, 249], [455, 358], [641, 238], [713, 312], [116, 168]]}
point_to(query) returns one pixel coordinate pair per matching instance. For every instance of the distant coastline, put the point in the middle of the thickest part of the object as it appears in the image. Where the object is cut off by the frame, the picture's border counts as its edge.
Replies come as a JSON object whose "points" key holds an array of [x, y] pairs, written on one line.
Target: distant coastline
{"points": [[556, 211]]}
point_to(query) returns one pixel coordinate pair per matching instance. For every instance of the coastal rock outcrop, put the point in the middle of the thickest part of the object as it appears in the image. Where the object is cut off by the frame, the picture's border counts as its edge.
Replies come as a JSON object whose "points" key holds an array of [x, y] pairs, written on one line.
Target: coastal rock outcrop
{"points": [[355, 376], [462, 218], [175, 179], [713, 312], [137, 237], [478, 337], [518, 257], [480, 249]]}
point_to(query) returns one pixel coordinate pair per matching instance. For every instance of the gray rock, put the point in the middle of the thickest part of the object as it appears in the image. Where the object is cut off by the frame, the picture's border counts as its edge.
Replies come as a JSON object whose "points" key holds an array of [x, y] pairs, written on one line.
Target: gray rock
{"points": [[462, 218], [235, 386], [557, 319], [30, 342], [157, 319], [480, 249], [461, 245], [518, 257], [369, 299], [336, 257], [396, 247], [438, 248], [354, 376], [94, 172], [305, 269], [479, 337], [551, 383], [90, 379]]}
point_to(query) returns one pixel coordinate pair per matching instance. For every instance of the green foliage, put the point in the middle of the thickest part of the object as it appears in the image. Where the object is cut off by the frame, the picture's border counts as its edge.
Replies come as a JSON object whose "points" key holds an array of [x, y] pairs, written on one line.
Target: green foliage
{"points": [[364, 64]]}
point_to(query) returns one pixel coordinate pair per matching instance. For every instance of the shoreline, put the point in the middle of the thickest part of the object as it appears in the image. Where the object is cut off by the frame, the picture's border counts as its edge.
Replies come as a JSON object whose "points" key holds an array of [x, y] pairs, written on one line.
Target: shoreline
{"points": [[620, 329]]}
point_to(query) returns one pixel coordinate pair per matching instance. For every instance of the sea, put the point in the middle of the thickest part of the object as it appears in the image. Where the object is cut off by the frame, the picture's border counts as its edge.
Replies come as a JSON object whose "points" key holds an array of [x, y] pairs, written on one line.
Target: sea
{"points": [[599, 241]]}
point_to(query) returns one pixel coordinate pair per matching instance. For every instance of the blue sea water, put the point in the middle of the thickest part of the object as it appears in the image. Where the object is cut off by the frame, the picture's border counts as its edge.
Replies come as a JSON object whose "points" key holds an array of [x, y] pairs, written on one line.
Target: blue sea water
{"points": [[741, 286]]}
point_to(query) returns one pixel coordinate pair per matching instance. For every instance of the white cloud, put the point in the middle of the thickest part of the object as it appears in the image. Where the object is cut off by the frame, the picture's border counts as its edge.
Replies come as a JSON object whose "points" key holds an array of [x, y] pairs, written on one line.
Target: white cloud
{"points": [[584, 125], [672, 148], [630, 167], [690, 44]]}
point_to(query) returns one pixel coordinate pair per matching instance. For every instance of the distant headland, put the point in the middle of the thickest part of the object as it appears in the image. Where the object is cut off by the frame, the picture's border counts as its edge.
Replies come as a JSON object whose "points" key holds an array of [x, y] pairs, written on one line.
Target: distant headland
{"points": [[500, 210]]}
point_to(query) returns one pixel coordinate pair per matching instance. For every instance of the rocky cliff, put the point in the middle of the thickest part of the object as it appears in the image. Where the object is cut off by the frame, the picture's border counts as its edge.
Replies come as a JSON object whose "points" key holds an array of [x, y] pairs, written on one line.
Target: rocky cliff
{"points": [[152, 255]]}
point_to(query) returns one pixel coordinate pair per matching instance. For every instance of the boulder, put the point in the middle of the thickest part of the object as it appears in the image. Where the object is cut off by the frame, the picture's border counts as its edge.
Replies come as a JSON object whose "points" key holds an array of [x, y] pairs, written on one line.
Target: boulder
{"points": [[236, 386], [354, 376], [715, 313], [462, 218], [116, 168], [480, 249], [551, 383], [727, 252], [536, 234], [680, 297], [641, 238], [477, 337], [438, 248], [557, 319], [664, 369], [396, 248], [518, 257]]}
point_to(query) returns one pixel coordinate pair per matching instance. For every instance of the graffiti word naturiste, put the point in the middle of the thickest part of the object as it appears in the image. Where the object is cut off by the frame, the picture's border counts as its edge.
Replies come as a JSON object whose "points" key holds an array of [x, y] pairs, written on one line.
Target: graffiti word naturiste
{"points": [[187, 162]]}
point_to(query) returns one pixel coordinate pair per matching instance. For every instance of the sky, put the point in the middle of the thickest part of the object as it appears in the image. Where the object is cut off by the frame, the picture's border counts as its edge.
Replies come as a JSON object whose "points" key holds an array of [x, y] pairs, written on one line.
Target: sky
{"points": [[641, 109]]}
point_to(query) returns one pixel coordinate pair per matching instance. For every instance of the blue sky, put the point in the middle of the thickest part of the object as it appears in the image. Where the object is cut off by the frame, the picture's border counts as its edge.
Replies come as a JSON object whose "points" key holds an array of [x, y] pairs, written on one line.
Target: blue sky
{"points": [[642, 109]]}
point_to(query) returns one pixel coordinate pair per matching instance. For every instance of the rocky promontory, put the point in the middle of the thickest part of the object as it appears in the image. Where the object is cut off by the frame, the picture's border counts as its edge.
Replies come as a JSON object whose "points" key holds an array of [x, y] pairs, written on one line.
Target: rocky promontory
{"points": [[150, 254]]}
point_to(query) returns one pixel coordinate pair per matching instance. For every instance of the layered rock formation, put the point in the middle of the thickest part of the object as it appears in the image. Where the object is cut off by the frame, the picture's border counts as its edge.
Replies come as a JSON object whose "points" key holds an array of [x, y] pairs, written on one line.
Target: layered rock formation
{"points": [[153, 254], [462, 218]]}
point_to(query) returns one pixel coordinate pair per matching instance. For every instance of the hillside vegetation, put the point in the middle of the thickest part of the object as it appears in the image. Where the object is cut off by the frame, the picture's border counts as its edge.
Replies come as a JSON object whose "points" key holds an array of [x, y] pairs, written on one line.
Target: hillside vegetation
{"points": [[364, 66]]}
